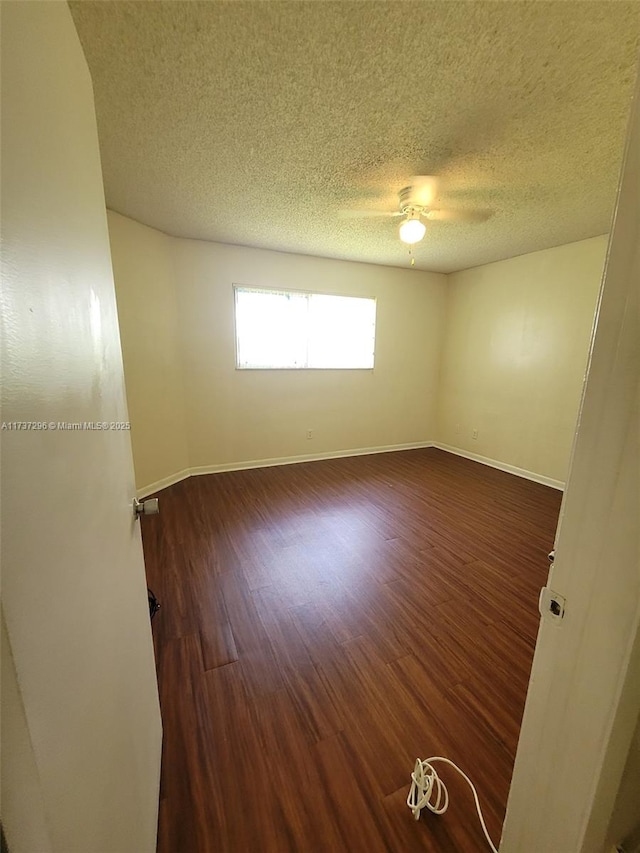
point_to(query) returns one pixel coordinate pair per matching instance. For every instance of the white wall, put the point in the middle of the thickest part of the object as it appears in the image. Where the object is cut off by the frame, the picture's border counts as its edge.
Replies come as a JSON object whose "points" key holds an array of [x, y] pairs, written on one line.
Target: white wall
{"points": [[515, 353], [148, 316], [234, 416], [81, 731]]}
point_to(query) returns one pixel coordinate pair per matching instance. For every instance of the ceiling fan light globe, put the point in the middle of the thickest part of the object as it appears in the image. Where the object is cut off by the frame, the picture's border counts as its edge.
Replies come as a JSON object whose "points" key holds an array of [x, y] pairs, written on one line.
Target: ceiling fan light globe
{"points": [[412, 231]]}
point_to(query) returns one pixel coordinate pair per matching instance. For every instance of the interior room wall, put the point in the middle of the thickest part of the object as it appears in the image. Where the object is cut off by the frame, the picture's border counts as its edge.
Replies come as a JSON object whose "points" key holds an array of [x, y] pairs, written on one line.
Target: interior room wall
{"points": [[189, 406], [514, 357], [148, 318], [235, 416], [500, 348]]}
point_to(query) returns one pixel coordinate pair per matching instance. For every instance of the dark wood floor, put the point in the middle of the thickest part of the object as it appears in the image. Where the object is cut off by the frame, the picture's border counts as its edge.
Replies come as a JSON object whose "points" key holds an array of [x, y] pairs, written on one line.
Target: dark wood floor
{"points": [[325, 624]]}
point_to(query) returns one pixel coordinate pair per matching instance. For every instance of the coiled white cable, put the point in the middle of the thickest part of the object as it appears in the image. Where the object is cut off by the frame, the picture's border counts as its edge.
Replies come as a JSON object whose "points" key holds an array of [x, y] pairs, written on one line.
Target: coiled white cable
{"points": [[428, 791]]}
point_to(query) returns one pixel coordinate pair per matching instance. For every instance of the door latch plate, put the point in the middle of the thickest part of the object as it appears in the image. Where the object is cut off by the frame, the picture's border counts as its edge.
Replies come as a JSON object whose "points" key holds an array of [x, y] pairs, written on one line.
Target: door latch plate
{"points": [[551, 605]]}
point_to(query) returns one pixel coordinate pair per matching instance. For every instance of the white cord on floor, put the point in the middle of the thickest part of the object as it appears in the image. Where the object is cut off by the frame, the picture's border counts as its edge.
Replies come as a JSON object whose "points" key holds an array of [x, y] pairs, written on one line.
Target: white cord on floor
{"points": [[428, 791]]}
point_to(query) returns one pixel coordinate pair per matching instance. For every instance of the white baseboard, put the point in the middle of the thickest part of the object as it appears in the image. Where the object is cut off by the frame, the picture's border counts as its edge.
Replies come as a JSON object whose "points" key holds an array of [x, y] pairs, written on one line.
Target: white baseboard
{"points": [[339, 454], [145, 491], [306, 457], [502, 466], [271, 463]]}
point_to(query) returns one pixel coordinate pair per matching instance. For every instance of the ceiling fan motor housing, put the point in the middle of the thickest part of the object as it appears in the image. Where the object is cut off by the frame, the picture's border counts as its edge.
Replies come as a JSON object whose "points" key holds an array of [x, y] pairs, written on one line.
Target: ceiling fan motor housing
{"points": [[408, 205]]}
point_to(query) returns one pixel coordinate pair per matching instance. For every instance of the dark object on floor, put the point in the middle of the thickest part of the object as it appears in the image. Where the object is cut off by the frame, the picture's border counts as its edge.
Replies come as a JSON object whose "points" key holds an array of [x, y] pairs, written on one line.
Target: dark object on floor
{"points": [[154, 604]]}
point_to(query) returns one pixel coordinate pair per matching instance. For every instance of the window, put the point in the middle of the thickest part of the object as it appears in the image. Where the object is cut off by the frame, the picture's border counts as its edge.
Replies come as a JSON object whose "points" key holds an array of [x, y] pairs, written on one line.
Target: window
{"points": [[292, 329]]}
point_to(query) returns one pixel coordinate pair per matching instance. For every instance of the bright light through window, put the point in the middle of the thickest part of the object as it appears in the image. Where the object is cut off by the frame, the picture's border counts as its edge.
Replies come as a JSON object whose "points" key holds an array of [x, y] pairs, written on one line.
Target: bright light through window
{"points": [[291, 329]]}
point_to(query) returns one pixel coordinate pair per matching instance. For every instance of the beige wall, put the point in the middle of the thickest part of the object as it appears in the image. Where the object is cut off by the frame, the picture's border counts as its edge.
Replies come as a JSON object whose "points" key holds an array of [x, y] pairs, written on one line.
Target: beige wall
{"points": [[191, 408], [515, 352], [235, 416], [500, 348], [147, 313]]}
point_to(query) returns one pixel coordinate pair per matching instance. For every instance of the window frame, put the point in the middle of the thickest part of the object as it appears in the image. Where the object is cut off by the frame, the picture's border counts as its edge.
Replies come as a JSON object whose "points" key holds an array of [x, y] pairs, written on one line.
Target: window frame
{"points": [[236, 286]]}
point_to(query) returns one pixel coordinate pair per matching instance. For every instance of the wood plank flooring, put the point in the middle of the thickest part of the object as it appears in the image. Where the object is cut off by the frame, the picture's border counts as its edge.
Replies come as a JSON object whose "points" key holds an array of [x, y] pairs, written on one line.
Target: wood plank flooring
{"points": [[325, 624]]}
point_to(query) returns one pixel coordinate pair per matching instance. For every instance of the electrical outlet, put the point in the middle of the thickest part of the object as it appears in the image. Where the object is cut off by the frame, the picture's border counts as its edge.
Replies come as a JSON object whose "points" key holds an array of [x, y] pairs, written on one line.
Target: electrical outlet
{"points": [[457, 430], [309, 434], [474, 434]]}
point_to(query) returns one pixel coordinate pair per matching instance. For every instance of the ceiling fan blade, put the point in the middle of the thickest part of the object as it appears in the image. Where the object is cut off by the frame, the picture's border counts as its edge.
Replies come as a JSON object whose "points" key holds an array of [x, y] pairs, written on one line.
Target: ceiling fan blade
{"points": [[458, 215], [366, 214], [424, 189]]}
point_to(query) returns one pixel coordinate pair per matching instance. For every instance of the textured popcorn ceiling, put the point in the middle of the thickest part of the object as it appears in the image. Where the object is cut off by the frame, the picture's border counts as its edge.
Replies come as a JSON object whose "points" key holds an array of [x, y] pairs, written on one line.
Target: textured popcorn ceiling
{"points": [[257, 122]]}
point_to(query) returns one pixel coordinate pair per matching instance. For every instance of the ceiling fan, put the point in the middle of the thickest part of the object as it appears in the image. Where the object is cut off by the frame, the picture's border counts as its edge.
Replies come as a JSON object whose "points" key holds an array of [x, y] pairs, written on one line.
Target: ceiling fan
{"points": [[415, 205]]}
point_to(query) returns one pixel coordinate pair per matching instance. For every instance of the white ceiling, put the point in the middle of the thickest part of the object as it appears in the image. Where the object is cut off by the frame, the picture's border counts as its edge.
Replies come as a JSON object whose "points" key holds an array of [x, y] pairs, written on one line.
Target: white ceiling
{"points": [[256, 122]]}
